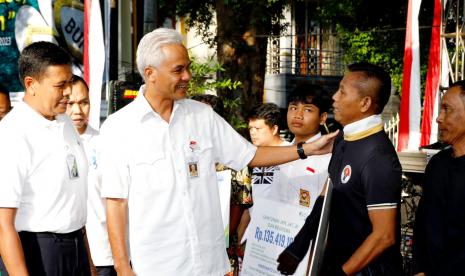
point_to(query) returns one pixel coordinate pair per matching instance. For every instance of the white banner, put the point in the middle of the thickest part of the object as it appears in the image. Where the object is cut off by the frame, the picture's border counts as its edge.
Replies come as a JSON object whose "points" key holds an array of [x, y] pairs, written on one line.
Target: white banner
{"points": [[273, 227], [224, 187]]}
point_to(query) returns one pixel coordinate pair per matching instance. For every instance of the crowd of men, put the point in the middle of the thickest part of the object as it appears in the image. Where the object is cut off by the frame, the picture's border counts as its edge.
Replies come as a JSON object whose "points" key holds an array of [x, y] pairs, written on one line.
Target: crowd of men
{"points": [[140, 197]]}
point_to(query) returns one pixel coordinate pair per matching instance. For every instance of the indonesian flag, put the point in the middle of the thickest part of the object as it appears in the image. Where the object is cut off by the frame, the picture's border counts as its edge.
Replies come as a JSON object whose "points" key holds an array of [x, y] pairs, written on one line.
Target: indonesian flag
{"points": [[410, 106], [430, 107], [94, 60]]}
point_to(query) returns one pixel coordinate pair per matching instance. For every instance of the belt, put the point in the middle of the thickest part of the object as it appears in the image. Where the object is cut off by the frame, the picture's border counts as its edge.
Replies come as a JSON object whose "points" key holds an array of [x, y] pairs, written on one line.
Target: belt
{"points": [[71, 235]]}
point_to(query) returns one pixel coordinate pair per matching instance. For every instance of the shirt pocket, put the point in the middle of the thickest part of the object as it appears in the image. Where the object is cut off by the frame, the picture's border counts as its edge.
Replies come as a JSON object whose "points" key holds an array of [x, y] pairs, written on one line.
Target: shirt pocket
{"points": [[149, 172]]}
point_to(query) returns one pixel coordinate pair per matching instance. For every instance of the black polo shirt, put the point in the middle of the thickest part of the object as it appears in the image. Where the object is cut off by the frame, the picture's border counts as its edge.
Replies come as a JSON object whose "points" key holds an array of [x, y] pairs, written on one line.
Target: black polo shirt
{"points": [[366, 175]]}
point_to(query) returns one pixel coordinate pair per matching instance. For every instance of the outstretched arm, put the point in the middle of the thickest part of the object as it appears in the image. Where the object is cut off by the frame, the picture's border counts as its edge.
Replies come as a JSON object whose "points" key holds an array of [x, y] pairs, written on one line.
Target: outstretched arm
{"points": [[270, 156]]}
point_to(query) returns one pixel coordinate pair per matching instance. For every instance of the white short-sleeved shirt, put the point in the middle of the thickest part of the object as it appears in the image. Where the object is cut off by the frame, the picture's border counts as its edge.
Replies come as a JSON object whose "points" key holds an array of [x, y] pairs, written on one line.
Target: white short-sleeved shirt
{"points": [[44, 171], [300, 182], [175, 224], [262, 178], [96, 226]]}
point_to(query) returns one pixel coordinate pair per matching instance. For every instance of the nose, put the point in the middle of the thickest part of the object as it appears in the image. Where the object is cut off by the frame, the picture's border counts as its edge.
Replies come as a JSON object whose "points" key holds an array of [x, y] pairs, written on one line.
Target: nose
{"points": [[77, 108], [67, 90], [299, 112], [187, 75], [335, 95], [440, 117]]}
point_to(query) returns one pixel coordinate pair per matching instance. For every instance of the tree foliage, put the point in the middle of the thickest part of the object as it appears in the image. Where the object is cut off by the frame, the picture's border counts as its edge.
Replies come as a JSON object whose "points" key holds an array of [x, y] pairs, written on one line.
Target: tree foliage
{"points": [[204, 80], [368, 30], [374, 31], [242, 28]]}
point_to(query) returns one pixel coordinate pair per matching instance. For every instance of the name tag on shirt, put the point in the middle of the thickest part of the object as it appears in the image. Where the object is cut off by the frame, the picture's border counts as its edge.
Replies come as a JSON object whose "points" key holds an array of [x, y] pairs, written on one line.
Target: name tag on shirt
{"points": [[72, 166], [193, 166]]}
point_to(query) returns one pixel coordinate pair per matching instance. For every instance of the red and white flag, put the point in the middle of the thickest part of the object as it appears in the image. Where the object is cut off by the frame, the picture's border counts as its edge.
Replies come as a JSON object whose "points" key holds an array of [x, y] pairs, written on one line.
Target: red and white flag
{"points": [[410, 106], [94, 59], [429, 129]]}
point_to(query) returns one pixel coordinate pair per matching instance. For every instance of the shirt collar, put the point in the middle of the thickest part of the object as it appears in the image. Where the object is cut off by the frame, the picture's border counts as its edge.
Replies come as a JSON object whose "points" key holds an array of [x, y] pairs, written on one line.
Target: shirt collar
{"points": [[89, 133], [38, 120], [363, 128], [144, 110], [311, 139]]}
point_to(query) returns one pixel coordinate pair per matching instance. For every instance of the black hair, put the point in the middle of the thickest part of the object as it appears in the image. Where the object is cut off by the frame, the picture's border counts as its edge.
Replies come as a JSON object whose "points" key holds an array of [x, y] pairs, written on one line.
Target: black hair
{"points": [[383, 87], [37, 57], [461, 85], [308, 93], [215, 102], [77, 79], [269, 112], [4, 91]]}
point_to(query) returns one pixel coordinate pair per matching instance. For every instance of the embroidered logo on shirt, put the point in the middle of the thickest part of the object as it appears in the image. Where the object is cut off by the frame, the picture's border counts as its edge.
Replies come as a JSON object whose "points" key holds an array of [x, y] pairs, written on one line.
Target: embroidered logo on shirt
{"points": [[346, 173], [311, 170], [304, 198], [193, 145]]}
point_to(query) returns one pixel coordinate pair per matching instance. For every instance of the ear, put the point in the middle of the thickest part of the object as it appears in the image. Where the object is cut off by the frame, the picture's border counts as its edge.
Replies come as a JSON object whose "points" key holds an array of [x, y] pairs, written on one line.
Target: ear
{"points": [[323, 118], [275, 130], [150, 74], [29, 85], [365, 104]]}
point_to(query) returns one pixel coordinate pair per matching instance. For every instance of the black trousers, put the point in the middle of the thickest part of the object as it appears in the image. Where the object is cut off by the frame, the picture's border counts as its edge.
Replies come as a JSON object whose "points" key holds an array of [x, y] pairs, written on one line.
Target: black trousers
{"points": [[50, 254], [105, 270]]}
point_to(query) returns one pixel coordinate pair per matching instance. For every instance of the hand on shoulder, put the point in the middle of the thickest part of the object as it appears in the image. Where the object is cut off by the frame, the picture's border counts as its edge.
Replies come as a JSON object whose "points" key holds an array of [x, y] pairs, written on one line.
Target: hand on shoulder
{"points": [[322, 145]]}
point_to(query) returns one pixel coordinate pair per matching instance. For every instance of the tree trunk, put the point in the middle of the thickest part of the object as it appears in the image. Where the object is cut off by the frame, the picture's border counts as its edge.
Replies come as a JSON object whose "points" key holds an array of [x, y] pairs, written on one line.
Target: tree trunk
{"points": [[241, 53]]}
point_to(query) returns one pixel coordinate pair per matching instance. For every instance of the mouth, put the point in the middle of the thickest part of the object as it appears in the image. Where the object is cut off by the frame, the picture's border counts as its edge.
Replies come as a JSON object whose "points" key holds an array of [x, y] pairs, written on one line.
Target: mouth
{"points": [[182, 86], [296, 124]]}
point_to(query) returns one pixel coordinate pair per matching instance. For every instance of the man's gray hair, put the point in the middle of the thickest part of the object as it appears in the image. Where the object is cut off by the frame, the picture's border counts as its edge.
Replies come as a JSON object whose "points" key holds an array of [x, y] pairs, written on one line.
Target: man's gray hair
{"points": [[149, 50]]}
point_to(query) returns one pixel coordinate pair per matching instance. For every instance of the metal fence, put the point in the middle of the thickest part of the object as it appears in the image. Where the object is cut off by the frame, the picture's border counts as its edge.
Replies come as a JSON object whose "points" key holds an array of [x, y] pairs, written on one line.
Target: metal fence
{"points": [[323, 61], [392, 129]]}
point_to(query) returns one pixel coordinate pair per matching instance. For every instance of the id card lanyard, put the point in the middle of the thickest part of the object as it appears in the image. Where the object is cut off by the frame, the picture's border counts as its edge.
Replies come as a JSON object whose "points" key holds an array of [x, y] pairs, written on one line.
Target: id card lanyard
{"points": [[192, 161]]}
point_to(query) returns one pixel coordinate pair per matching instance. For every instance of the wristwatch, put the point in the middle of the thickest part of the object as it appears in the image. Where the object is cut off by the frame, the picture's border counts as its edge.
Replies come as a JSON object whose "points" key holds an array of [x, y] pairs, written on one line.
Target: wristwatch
{"points": [[300, 150]]}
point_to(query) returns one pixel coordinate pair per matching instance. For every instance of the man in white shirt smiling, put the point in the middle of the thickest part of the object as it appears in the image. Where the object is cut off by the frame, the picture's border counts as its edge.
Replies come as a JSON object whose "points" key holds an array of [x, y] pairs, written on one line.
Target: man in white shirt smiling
{"points": [[172, 216], [43, 193]]}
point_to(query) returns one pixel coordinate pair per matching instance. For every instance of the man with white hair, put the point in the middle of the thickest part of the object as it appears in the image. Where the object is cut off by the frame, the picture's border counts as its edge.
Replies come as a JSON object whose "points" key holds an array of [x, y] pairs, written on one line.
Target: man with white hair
{"points": [[168, 213]]}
